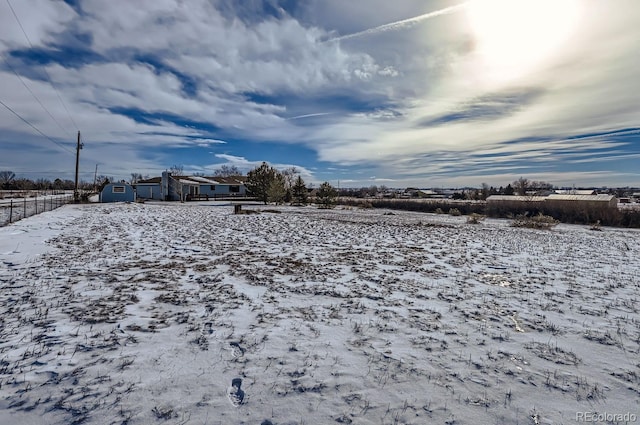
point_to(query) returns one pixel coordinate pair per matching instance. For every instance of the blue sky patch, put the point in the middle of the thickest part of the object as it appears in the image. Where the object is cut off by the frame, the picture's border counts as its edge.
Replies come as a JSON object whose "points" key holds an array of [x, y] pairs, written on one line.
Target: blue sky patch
{"points": [[420, 93]]}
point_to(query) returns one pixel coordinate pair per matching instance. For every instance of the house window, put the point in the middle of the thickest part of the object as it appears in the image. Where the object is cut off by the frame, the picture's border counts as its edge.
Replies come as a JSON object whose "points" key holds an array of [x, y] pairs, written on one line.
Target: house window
{"points": [[234, 189], [118, 189], [213, 187]]}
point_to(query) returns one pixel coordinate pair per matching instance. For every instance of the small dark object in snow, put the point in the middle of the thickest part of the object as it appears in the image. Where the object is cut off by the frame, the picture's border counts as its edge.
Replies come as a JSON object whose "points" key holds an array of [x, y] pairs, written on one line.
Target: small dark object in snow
{"points": [[236, 395]]}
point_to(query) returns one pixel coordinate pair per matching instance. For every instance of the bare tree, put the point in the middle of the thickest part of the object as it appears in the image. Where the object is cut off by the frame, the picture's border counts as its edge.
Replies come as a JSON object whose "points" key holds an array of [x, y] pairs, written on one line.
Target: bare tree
{"points": [[23, 184], [485, 191], [521, 186], [42, 184], [227, 171], [135, 178], [541, 185], [101, 182], [6, 177], [176, 171], [289, 175]]}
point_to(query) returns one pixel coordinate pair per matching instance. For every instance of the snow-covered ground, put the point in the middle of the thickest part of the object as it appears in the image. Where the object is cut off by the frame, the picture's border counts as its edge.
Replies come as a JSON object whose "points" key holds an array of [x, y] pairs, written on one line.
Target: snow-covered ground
{"points": [[144, 313]]}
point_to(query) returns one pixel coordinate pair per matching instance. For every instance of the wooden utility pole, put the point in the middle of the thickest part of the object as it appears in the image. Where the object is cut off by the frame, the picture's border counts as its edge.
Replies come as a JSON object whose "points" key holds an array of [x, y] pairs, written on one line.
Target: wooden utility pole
{"points": [[95, 177], [76, 195]]}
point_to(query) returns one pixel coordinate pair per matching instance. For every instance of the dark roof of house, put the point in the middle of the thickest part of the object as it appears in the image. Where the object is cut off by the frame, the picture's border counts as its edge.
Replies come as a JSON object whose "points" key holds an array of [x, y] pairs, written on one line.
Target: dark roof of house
{"points": [[151, 180], [229, 180]]}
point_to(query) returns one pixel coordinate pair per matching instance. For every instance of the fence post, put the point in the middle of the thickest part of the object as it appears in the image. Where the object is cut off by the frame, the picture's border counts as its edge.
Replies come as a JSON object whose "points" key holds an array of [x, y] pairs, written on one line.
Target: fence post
{"points": [[11, 211], [24, 209], [36, 199]]}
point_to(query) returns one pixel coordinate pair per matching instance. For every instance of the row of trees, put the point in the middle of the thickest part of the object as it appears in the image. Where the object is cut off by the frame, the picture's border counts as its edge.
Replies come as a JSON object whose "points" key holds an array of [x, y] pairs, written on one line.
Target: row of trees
{"points": [[269, 184], [521, 187], [9, 181]]}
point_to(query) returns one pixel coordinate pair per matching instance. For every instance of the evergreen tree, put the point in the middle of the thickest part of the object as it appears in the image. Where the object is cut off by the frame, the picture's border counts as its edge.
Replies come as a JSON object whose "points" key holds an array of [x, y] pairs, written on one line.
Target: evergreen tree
{"points": [[326, 195], [277, 190], [299, 192], [509, 190], [259, 181]]}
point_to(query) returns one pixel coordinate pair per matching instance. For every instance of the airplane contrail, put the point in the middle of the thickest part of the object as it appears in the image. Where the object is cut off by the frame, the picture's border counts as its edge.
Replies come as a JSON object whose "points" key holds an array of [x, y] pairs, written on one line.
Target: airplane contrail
{"points": [[403, 23], [318, 114]]}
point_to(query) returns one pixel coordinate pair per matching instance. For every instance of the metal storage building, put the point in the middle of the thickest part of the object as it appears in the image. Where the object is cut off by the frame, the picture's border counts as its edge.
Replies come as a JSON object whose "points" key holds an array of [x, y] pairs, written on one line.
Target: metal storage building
{"points": [[118, 192]]}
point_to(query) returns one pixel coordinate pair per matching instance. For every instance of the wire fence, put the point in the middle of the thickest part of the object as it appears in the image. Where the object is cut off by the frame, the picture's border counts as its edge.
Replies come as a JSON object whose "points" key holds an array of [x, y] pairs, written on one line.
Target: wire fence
{"points": [[12, 210]]}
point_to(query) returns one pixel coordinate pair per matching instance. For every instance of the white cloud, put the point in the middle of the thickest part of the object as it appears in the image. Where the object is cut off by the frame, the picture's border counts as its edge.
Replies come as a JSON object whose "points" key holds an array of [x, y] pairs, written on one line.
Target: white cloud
{"points": [[41, 20], [588, 88], [246, 165], [386, 85]]}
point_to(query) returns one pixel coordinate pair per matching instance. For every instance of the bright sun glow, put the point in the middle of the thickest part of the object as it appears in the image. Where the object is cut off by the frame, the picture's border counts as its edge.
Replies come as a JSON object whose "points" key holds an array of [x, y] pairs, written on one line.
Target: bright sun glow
{"points": [[515, 36]]}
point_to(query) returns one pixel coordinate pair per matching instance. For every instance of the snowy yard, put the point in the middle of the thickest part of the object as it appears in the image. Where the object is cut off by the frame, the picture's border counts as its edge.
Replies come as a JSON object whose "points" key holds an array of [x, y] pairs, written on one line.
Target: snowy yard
{"points": [[143, 314]]}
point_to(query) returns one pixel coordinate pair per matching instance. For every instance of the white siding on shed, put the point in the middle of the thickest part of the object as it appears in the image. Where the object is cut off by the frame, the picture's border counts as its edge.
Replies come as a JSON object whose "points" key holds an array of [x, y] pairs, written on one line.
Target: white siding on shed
{"points": [[515, 198]]}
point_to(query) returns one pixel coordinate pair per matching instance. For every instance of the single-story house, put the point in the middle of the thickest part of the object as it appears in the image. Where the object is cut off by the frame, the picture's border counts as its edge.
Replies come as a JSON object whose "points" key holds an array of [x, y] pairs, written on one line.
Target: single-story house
{"points": [[216, 187], [175, 188], [118, 192]]}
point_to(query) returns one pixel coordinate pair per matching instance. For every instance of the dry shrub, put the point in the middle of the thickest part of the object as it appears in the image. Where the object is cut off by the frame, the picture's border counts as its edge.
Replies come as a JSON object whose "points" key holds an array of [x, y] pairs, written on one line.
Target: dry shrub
{"points": [[539, 221], [455, 212], [475, 218], [366, 205]]}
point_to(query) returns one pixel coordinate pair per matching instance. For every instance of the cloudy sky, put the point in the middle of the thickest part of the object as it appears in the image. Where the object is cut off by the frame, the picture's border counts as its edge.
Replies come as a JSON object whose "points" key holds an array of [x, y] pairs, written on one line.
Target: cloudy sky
{"points": [[428, 93]]}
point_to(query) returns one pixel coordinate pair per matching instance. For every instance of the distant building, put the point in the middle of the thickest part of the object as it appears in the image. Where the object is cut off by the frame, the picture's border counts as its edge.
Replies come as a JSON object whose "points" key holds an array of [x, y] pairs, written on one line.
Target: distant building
{"points": [[118, 192], [607, 201], [575, 192], [555, 200], [514, 198]]}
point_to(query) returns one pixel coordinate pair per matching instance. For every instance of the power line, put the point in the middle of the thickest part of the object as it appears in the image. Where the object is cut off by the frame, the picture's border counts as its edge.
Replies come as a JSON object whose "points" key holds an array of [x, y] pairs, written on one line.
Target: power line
{"points": [[34, 95], [34, 127], [43, 68]]}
